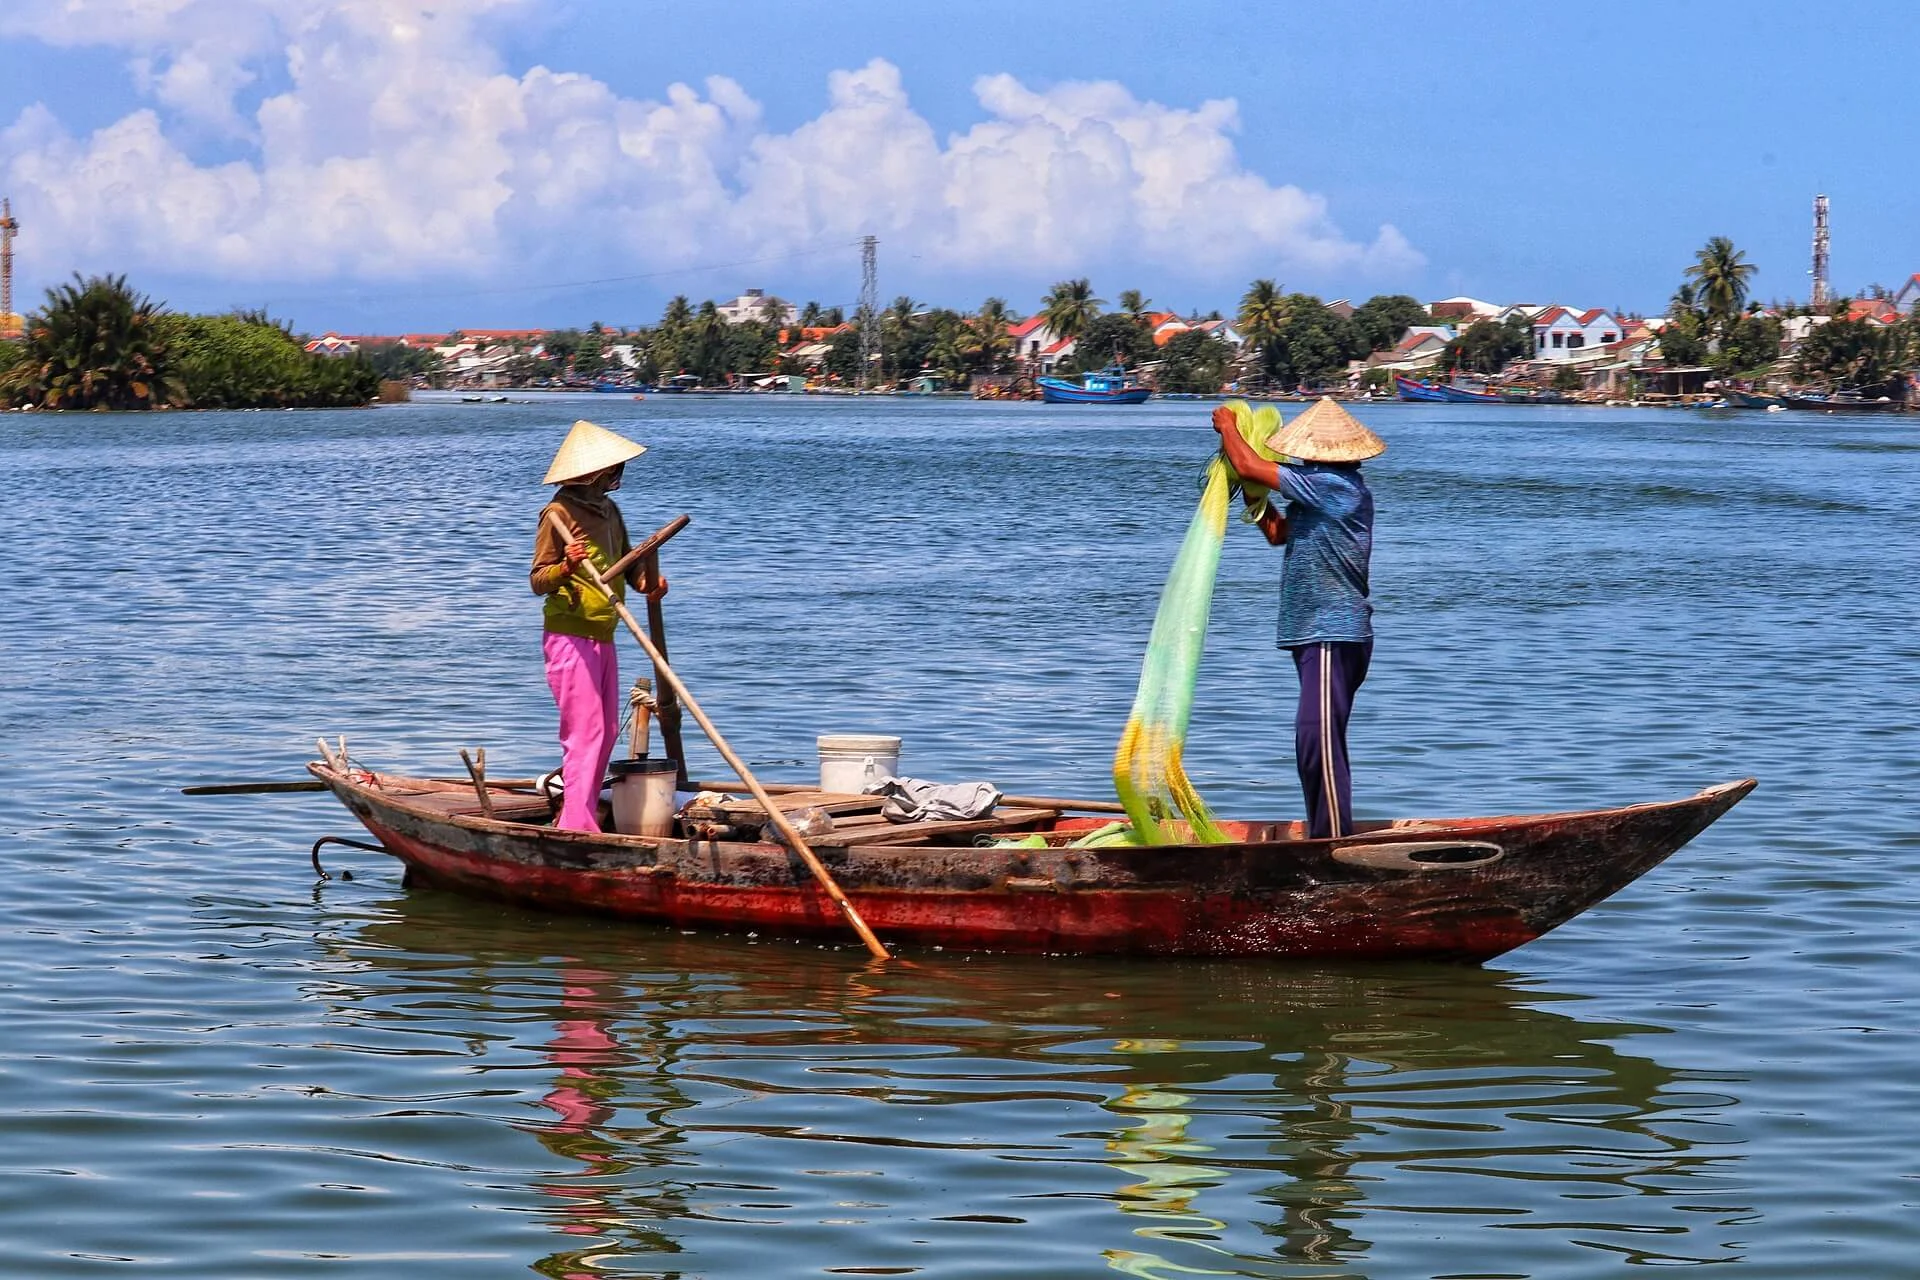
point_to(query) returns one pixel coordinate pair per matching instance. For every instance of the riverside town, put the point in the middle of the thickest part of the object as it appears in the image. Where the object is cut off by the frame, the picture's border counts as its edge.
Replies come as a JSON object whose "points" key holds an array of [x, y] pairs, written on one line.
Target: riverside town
{"points": [[100, 343]]}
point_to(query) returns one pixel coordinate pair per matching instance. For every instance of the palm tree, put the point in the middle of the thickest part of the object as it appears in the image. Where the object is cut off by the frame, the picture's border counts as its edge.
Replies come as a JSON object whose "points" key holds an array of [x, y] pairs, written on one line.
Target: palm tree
{"points": [[773, 310], [1263, 314], [1721, 272], [677, 315], [1135, 306], [810, 315], [986, 340], [96, 345], [1070, 307], [709, 333]]}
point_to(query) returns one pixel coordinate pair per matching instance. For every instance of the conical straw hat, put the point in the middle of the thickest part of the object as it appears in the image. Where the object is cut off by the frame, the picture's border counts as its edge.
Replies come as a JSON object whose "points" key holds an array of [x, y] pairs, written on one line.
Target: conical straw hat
{"points": [[1326, 432], [589, 448]]}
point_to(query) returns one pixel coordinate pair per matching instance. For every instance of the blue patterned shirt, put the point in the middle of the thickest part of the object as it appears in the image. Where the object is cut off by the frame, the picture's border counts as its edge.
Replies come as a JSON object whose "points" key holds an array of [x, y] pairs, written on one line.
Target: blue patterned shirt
{"points": [[1323, 580]]}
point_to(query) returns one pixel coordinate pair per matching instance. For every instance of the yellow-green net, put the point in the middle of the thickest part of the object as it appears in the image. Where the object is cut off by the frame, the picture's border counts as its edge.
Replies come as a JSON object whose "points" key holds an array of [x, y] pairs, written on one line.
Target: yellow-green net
{"points": [[1147, 770]]}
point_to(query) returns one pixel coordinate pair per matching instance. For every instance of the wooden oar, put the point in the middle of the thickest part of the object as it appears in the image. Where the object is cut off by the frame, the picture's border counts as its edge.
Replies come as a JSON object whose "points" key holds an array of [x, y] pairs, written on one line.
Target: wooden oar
{"points": [[265, 788], [670, 680], [648, 545]]}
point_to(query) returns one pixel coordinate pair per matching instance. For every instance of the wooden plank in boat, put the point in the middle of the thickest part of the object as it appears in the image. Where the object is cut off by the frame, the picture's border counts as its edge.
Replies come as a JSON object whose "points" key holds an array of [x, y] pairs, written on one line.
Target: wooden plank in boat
{"points": [[1003, 819], [746, 810]]}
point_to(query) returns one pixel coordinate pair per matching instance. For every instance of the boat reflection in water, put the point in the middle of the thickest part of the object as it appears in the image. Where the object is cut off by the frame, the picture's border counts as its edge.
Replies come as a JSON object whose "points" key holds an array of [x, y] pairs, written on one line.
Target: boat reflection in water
{"points": [[704, 1106]]}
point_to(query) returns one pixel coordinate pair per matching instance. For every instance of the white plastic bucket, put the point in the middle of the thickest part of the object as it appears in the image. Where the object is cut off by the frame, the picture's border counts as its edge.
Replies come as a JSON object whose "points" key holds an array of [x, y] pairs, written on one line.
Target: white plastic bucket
{"points": [[852, 762], [643, 796]]}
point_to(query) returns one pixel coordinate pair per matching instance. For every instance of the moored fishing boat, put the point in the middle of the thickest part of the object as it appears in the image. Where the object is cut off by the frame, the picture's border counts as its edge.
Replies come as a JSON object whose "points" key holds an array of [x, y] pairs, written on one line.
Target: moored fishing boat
{"points": [[1453, 394], [1414, 389], [1456, 889], [1748, 399], [1843, 401], [1111, 385]]}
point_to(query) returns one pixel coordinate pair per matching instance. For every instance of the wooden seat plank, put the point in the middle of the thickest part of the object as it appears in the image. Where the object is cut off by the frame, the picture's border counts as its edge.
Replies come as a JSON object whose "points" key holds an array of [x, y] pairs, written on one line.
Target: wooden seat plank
{"points": [[1002, 819]]}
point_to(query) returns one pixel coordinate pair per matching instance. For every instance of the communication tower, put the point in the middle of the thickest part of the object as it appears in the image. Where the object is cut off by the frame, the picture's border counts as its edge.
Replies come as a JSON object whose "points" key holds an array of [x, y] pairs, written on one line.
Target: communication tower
{"points": [[1820, 299], [867, 315], [8, 228]]}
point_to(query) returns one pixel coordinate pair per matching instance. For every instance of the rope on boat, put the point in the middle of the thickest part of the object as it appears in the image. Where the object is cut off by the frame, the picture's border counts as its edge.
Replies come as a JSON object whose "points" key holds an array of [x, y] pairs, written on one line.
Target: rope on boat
{"points": [[351, 844]]}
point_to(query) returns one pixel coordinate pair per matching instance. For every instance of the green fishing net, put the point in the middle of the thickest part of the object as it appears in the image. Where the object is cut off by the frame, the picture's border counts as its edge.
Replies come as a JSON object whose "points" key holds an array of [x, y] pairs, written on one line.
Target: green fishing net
{"points": [[1147, 770]]}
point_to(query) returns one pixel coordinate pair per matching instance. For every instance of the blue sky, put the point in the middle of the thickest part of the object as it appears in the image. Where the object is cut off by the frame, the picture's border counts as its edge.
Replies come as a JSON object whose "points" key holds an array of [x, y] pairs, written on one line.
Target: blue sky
{"points": [[379, 165]]}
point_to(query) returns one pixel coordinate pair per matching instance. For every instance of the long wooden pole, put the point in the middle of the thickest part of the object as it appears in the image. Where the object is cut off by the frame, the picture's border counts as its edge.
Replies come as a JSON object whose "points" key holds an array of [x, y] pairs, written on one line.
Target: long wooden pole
{"points": [[666, 707], [795, 841]]}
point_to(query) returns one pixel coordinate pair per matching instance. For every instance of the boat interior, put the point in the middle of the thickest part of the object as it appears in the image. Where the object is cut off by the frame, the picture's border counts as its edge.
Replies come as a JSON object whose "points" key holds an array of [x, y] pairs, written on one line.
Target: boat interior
{"points": [[726, 811]]}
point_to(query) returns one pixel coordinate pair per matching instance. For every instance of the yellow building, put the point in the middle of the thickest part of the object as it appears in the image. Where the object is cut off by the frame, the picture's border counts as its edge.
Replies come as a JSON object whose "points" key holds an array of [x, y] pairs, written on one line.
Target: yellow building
{"points": [[11, 326]]}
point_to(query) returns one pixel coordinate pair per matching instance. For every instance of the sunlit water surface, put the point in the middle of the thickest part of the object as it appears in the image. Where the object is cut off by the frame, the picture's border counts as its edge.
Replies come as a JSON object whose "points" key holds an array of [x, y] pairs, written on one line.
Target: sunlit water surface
{"points": [[212, 1065]]}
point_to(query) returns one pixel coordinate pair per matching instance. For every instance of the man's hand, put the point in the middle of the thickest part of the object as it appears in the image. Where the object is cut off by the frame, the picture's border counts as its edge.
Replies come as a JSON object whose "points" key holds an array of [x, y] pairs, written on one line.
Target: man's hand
{"points": [[1273, 526], [654, 589], [576, 553], [1224, 421]]}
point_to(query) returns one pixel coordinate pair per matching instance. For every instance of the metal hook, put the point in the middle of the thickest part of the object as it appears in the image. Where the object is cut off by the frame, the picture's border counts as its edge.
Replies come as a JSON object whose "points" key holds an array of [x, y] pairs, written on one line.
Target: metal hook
{"points": [[351, 844]]}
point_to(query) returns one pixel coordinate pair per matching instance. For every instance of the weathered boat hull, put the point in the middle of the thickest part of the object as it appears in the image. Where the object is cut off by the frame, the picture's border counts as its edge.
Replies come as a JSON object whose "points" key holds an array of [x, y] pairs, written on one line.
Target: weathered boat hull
{"points": [[1460, 395], [1412, 389], [1498, 882]]}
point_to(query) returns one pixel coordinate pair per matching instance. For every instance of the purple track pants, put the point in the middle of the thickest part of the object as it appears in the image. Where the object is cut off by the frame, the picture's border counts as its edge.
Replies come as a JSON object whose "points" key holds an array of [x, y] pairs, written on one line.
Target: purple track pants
{"points": [[585, 678], [1329, 675]]}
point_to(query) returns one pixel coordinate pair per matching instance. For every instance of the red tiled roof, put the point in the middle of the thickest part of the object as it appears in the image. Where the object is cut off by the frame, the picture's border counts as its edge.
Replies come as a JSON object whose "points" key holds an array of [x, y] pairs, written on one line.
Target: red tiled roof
{"points": [[1057, 347], [501, 334], [1025, 327], [1550, 316], [1588, 317]]}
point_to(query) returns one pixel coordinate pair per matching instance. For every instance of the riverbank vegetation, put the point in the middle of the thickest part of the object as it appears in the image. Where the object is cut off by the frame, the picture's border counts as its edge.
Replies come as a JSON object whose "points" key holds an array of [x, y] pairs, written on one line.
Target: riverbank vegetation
{"points": [[97, 343], [1295, 338]]}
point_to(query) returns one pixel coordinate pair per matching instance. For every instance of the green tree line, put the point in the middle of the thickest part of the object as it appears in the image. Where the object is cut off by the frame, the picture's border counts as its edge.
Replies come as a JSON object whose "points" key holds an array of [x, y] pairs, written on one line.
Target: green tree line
{"points": [[97, 343]]}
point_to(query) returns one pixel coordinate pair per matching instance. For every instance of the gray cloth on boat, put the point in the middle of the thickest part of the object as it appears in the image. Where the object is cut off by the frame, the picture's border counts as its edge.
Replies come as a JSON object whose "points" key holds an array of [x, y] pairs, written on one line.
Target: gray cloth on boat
{"points": [[917, 800]]}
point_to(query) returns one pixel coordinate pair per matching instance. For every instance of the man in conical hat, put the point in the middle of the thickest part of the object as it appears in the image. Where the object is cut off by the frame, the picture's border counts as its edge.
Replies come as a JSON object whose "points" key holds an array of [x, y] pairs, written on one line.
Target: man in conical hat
{"points": [[1326, 617], [581, 667]]}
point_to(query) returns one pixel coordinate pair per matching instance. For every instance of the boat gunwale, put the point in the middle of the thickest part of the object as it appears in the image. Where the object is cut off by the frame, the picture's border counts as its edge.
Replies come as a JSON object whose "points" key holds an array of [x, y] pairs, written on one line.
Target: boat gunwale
{"points": [[1397, 831]]}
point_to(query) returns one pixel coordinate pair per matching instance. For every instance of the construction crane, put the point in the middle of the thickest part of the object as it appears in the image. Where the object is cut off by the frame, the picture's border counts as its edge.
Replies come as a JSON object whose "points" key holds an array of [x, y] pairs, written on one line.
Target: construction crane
{"points": [[1819, 272], [867, 316], [8, 229]]}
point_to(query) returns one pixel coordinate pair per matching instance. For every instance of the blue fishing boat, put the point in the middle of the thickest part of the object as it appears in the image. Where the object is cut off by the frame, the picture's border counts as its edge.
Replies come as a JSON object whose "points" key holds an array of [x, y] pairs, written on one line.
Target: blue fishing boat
{"points": [[1464, 395], [1413, 389], [1111, 385]]}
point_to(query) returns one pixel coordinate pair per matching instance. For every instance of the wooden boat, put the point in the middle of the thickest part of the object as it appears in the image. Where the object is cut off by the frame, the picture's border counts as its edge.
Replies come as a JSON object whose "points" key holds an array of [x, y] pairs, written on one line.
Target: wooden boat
{"points": [[1454, 394], [1749, 399], [1449, 888], [1414, 389], [1111, 385], [1843, 402]]}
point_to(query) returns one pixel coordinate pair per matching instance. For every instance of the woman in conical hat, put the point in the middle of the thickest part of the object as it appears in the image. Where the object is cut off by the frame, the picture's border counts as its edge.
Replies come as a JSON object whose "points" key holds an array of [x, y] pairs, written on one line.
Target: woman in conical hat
{"points": [[582, 669], [1326, 617]]}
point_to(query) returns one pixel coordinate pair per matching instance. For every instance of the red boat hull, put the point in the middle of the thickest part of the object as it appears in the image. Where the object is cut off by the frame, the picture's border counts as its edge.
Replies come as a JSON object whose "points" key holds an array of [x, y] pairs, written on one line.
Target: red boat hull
{"points": [[1371, 896]]}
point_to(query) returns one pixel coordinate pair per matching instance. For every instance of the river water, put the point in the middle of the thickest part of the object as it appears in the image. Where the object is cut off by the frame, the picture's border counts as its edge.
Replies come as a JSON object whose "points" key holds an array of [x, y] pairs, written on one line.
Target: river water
{"points": [[213, 1065]]}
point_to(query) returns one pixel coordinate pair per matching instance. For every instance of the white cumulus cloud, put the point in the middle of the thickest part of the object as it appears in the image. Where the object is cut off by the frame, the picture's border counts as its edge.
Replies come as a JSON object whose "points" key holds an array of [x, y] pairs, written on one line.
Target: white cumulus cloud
{"points": [[393, 144]]}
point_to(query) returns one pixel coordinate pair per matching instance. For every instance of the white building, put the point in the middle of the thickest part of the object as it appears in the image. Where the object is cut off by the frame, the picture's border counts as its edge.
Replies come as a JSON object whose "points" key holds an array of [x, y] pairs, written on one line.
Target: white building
{"points": [[753, 306], [1559, 333]]}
